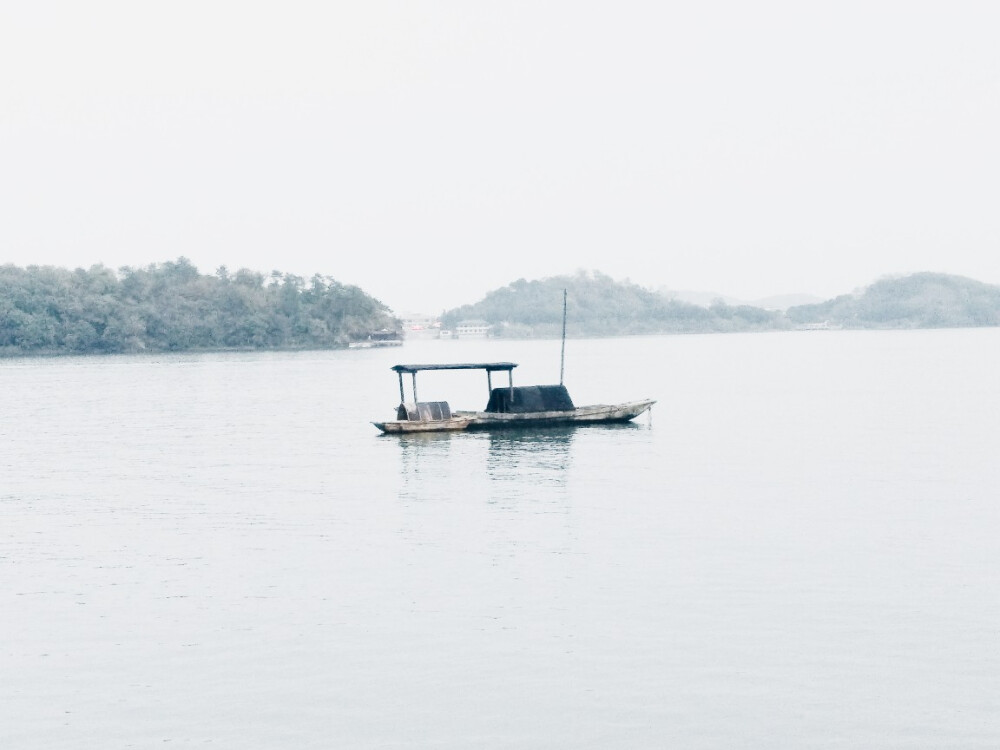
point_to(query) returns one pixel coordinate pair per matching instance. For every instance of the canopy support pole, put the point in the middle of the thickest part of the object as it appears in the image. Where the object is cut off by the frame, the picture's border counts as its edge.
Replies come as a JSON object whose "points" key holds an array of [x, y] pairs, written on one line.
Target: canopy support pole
{"points": [[562, 354]]}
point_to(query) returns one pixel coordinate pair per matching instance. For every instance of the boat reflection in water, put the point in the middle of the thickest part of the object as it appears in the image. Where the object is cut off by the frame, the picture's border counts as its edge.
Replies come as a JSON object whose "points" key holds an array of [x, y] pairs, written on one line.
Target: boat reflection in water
{"points": [[542, 454], [421, 452], [484, 466], [524, 477]]}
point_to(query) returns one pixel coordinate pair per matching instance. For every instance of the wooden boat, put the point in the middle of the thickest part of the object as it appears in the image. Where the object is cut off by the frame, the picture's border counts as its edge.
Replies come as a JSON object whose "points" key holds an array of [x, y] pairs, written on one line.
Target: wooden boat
{"points": [[508, 406], [397, 427]]}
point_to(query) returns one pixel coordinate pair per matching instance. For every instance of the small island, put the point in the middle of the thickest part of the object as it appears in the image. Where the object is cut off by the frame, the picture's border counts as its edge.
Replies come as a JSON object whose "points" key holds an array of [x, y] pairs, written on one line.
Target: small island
{"points": [[171, 307]]}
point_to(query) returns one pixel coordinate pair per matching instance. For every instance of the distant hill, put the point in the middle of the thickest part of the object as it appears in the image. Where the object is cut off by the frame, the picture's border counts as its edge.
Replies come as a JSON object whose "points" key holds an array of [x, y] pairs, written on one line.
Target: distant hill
{"points": [[923, 300], [172, 307], [600, 306]]}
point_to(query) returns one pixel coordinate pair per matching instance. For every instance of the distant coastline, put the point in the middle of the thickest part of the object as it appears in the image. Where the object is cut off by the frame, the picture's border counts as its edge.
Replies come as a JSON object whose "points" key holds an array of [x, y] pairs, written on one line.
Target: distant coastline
{"points": [[601, 306], [171, 307]]}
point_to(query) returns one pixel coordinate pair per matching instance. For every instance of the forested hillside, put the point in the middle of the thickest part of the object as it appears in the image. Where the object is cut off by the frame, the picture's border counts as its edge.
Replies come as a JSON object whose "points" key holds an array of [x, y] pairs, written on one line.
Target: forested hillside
{"points": [[172, 307], [600, 306], [923, 300]]}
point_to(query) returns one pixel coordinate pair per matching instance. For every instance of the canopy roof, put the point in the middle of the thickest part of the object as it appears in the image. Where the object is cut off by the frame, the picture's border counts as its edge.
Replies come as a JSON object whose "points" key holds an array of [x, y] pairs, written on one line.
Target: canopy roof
{"points": [[488, 366]]}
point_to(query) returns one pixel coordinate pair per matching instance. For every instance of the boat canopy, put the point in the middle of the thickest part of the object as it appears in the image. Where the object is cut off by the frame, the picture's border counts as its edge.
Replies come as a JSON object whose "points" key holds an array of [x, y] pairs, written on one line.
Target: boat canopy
{"points": [[488, 366]]}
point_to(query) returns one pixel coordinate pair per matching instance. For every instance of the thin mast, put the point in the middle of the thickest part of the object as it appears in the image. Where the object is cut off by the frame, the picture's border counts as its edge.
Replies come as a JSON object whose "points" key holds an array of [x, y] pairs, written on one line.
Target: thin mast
{"points": [[562, 355]]}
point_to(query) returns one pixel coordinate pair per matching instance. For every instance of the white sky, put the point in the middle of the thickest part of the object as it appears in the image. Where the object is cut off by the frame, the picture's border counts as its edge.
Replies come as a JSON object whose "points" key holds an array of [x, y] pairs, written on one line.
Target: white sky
{"points": [[432, 151]]}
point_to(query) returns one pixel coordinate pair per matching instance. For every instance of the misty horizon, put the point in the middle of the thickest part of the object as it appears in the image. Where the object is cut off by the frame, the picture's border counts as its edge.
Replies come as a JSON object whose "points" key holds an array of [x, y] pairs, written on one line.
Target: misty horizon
{"points": [[433, 152]]}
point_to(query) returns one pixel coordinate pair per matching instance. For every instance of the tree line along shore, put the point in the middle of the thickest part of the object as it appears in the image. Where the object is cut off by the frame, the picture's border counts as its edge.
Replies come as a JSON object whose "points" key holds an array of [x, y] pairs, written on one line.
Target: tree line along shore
{"points": [[172, 307]]}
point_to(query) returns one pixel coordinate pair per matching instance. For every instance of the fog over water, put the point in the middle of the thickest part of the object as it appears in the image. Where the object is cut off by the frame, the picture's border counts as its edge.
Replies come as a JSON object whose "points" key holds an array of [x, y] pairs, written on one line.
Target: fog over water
{"points": [[797, 550], [431, 152]]}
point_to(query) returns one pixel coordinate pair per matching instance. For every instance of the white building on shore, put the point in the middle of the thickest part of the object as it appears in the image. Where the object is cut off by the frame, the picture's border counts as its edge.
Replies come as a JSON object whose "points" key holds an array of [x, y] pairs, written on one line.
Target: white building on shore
{"points": [[472, 329]]}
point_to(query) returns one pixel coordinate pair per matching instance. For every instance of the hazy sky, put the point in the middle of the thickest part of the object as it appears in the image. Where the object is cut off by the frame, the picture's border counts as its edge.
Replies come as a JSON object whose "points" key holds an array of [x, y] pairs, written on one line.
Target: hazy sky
{"points": [[431, 151]]}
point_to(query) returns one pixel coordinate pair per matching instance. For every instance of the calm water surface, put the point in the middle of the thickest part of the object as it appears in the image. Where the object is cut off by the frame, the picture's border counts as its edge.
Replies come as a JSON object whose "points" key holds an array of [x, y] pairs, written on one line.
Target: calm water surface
{"points": [[798, 550]]}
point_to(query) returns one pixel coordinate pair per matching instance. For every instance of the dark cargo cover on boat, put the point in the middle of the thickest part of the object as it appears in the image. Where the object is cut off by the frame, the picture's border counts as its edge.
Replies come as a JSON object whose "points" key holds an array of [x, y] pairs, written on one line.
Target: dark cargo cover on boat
{"points": [[530, 398]]}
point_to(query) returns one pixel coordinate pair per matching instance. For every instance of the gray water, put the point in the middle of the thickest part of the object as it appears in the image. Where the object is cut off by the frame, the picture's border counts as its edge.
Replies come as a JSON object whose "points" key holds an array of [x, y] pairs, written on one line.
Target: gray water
{"points": [[798, 550]]}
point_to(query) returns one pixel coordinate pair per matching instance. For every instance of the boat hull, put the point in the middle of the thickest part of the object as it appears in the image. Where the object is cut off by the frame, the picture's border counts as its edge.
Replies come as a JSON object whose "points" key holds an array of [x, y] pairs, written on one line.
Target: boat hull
{"points": [[597, 414], [400, 427]]}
